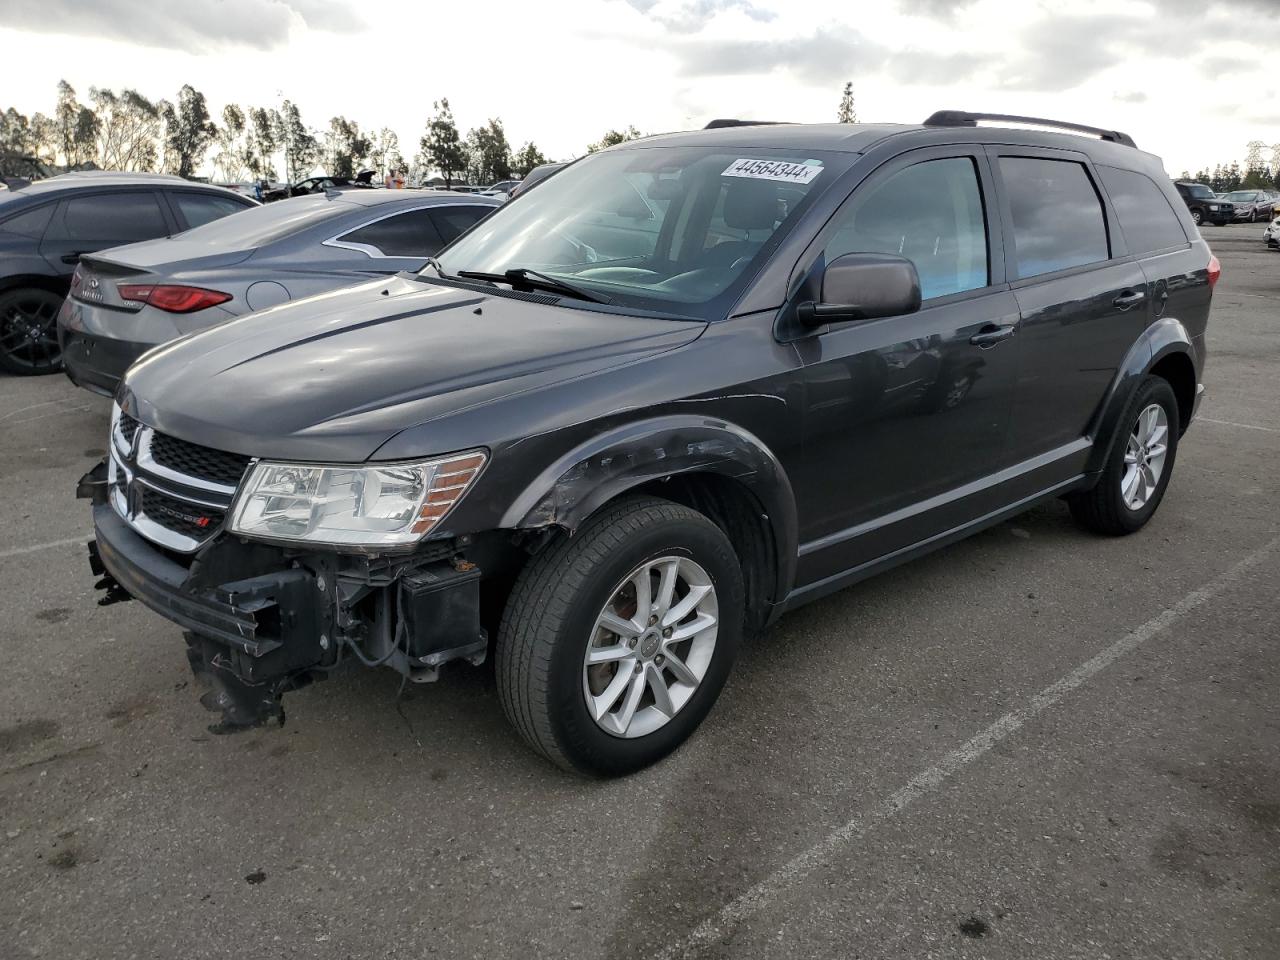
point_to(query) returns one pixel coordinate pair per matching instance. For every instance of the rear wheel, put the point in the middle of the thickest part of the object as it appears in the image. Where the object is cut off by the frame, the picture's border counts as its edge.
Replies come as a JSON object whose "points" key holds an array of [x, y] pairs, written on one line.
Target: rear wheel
{"points": [[616, 642], [29, 332], [1139, 466]]}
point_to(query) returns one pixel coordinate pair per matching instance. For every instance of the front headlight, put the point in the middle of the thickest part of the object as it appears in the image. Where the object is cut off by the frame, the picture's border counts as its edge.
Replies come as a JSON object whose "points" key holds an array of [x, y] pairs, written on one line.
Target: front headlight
{"points": [[1213, 206], [369, 505]]}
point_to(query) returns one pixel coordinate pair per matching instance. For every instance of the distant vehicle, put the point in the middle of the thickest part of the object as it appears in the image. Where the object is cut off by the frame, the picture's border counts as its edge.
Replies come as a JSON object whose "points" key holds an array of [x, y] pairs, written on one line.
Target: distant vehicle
{"points": [[534, 176], [362, 180], [1251, 205], [46, 227], [125, 301], [1204, 205], [502, 188]]}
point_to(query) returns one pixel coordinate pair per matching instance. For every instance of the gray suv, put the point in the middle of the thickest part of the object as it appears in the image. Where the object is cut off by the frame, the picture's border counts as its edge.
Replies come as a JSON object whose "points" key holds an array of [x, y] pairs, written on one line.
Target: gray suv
{"points": [[687, 385]]}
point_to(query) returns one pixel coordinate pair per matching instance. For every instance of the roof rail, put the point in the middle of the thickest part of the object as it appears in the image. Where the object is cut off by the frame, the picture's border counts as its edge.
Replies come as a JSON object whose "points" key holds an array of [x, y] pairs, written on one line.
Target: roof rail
{"points": [[722, 123], [958, 118]]}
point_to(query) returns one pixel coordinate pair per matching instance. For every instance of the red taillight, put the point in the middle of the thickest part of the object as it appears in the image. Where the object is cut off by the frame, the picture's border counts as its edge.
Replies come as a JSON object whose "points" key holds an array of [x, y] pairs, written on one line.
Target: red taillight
{"points": [[1215, 271], [172, 297]]}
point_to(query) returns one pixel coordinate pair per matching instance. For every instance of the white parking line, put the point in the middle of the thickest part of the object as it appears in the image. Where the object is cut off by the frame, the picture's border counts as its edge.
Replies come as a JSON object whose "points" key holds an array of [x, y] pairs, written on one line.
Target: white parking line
{"points": [[37, 547], [715, 927], [1242, 426]]}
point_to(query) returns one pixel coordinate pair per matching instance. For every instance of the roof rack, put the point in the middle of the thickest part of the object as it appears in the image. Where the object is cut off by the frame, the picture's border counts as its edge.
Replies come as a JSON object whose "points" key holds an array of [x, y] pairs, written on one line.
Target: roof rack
{"points": [[722, 123], [958, 118]]}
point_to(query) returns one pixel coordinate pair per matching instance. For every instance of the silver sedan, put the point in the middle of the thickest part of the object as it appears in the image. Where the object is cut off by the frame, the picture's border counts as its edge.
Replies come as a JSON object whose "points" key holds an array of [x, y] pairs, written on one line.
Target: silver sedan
{"points": [[126, 300]]}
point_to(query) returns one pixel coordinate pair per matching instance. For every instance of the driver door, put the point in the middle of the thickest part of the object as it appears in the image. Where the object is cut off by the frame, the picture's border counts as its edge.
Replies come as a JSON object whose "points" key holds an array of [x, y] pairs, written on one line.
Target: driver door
{"points": [[908, 416]]}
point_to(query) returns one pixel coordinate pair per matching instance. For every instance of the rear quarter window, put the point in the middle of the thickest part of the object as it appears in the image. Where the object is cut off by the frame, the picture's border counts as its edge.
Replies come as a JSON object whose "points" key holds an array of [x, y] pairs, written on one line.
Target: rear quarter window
{"points": [[1146, 218], [1057, 215], [29, 224]]}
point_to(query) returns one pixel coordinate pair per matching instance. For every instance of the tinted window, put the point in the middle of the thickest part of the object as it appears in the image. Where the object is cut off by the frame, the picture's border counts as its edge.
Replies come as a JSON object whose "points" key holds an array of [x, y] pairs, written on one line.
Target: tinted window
{"points": [[404, 235], [30, 223], [930, 213], [202, 208], [1057, 216], [1197, 191], [1146, 218], [113, 219], [452, 221]]}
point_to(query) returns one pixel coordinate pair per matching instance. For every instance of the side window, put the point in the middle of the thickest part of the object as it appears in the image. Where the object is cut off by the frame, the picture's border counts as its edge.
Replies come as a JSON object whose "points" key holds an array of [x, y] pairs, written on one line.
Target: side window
{"points": [[930, 213], [403, 235], [1057, 215], [112, 219], [451, 221], [199, 208], [29, 223], [1146, 218]]}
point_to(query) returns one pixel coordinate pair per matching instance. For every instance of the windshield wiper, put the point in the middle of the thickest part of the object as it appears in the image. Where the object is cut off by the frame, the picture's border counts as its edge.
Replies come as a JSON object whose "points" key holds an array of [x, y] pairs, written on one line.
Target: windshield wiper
{"points": [[523, 276]]}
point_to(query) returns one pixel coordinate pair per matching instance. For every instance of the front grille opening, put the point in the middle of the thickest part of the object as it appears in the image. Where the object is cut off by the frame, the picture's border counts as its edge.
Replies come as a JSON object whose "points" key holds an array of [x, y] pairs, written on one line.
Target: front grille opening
{"points": [[188, 519], [128, 429], [215, 466]]}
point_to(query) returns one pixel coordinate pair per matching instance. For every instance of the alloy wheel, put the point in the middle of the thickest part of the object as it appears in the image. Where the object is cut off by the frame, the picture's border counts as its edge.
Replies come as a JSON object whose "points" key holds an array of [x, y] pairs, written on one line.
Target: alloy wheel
{"points": [[28, 330], [651, 646], [1144, 457]]}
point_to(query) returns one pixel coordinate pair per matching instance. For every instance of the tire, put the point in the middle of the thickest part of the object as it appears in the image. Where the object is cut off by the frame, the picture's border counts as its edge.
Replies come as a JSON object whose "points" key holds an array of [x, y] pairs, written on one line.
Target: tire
{"points": [[1197, 217], [1107, 508], [29, 332], [555, 613]]}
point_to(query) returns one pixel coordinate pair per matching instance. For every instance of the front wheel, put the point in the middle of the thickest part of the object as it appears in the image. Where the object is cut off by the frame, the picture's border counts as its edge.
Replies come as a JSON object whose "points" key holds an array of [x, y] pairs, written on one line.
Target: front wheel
{"points": [[1197, 217], [1138, 468], [616, 642]]}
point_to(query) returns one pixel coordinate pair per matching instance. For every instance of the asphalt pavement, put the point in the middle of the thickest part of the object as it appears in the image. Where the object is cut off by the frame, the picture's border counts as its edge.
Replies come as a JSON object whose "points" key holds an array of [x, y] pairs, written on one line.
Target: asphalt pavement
{"points": [[1036, 743]]}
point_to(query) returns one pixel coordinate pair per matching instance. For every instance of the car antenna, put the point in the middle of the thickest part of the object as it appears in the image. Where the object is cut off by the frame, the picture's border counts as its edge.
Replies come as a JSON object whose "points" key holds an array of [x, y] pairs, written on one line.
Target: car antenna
{"points": [[333, 193]]}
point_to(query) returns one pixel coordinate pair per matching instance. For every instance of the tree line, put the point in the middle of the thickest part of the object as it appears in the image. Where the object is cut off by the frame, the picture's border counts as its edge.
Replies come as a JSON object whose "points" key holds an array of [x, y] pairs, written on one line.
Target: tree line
{"points": [[1224, 178], [126, 131]]}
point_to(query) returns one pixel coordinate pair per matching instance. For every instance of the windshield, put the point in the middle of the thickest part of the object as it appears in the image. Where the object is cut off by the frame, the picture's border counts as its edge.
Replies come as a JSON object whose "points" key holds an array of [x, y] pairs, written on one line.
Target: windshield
{"points": [[260, 225], [671, 229], [1241, 195], [1200, 192]]}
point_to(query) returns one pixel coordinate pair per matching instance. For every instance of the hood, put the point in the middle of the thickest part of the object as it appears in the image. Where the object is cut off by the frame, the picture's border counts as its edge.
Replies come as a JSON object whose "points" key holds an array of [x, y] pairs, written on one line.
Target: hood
{"points": [[170, 254], [333, 377]]}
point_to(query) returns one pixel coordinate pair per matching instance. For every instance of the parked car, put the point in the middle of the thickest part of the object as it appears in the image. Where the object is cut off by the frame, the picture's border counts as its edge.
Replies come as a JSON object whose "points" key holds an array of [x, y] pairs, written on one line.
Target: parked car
{"points": [[129, 299], [46, 227], [536, 176], [361, 181], [604, 470], [1251, 205], [1272, 234], [1204, 205], [501, 189]]}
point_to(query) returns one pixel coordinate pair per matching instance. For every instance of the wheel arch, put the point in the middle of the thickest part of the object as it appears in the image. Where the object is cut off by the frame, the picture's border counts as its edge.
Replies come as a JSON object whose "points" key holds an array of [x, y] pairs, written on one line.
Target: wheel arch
{"points": [[1164, 349], [713, 466], [22, 281]]}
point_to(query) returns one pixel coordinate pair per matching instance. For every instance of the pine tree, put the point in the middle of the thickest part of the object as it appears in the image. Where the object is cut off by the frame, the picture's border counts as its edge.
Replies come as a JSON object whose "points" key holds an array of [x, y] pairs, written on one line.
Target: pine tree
{"points": [[847, 112]]}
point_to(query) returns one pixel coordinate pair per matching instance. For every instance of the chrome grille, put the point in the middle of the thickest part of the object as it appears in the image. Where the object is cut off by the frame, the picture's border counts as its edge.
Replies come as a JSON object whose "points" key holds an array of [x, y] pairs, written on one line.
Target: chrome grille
{"points": [[173, 492]]}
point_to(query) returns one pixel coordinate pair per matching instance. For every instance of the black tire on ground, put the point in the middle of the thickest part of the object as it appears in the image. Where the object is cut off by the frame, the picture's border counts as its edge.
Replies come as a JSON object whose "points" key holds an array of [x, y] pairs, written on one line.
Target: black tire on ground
{"points": [[1102, 509], [551, 613], [29, 332], [1197, 217]]}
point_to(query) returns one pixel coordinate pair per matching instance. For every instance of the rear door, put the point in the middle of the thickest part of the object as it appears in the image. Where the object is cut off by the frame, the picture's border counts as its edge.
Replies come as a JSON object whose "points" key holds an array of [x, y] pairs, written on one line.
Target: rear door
{"points": [[1081, 308], [89, 222]]}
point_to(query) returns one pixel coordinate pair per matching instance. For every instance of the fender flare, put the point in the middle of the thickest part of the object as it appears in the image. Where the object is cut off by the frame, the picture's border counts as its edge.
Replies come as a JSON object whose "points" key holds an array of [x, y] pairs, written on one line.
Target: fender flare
{"points": [[577, 484], [1162, 338]]}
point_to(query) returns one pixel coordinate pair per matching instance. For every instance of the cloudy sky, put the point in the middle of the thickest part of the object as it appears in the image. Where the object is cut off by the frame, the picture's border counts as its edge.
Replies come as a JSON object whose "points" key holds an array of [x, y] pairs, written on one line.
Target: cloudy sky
{"points": [[1192, 80]]}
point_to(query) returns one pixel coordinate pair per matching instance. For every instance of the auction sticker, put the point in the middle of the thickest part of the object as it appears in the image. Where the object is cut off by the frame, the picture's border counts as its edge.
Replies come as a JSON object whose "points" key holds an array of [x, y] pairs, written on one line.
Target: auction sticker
{"points": [[773, 170]]}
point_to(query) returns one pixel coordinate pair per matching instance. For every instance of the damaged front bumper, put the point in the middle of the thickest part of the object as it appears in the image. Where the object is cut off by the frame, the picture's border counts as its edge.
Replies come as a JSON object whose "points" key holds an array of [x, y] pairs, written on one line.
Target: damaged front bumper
{"points": [[261, 620]]}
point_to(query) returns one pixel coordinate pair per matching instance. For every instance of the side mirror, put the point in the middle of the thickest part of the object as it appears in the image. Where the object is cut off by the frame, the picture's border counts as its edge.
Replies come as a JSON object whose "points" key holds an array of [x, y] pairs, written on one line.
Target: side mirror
{"points": [[864, 286]]}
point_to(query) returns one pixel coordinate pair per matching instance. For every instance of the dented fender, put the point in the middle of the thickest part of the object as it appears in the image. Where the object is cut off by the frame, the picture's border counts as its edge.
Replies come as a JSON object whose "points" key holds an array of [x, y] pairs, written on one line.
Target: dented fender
{"points": [[572, 488]]}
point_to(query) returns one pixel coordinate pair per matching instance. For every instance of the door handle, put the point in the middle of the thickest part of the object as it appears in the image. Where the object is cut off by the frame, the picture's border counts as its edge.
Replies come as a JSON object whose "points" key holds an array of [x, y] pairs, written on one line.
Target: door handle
{"points": [[73, 257], [1129, 299], [992, 334]]}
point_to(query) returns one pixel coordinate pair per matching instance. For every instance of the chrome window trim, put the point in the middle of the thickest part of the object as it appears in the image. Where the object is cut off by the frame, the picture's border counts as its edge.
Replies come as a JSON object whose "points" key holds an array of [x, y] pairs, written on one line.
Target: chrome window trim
{"points": [[372, 252]]}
